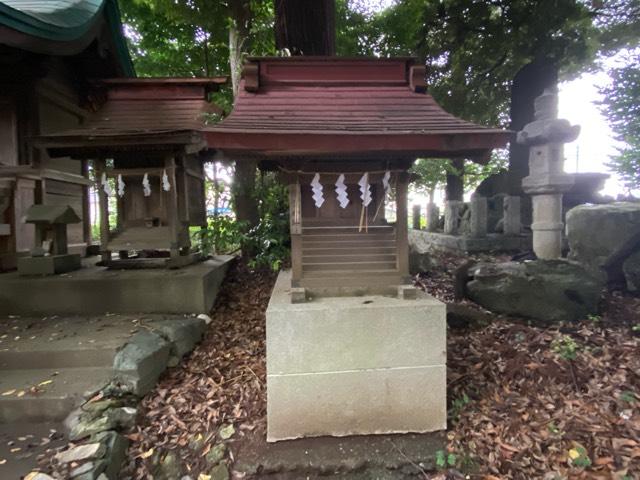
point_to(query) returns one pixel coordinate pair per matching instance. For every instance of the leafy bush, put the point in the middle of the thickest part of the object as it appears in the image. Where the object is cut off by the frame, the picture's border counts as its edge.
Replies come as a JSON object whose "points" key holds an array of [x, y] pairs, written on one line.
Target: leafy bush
{"points": [[267, 244], [223, 235], [269, 241]]}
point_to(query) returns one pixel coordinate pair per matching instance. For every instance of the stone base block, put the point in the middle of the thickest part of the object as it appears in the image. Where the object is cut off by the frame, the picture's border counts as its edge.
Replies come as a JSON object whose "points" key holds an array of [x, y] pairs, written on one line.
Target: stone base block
{"points": [[359, 402], [5, 229], [51, 265], [354, 365], [92, 289]]}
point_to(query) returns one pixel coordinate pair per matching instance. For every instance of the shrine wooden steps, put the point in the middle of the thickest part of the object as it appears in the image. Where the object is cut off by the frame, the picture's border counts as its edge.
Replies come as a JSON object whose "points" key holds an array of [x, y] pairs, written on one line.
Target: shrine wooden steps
{"points": [[344, 257]]}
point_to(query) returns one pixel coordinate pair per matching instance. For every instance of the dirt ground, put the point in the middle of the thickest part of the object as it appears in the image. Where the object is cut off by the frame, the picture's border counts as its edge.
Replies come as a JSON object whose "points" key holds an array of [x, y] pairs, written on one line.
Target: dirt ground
{"points": [[525, 401]]}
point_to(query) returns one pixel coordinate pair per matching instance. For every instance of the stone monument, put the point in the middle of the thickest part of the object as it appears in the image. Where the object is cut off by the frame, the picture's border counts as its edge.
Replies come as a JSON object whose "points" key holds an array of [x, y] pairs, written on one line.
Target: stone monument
{"points": [[50, 254], [547, 181]]}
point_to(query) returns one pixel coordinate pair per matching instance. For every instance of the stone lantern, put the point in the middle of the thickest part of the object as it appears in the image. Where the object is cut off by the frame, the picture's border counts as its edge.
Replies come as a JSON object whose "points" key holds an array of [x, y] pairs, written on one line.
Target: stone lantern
{"points": [[547, 181], [50, 254]]}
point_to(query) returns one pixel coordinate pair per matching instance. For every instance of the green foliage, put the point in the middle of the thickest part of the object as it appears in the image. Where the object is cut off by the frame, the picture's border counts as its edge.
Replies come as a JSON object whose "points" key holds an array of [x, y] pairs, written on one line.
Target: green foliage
{"points": [[621, 105], [566, 347], [628, 396], [579, 457], [223, 235], [190, 38], [458, 405], [430, 174], [445, 460], [473, 49], [594, 318], [267, 244], [270, 240]]}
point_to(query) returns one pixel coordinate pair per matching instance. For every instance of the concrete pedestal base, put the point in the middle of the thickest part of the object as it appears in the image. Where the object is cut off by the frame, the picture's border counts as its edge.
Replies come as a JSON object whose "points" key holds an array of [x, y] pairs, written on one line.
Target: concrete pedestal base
{"points": [[354, 365], [50, 265], [92, 289]]}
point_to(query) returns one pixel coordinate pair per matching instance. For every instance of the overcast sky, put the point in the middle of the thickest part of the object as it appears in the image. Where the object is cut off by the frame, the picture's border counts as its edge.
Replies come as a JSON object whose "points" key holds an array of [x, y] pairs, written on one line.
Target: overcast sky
{"points": [[591, 150]]}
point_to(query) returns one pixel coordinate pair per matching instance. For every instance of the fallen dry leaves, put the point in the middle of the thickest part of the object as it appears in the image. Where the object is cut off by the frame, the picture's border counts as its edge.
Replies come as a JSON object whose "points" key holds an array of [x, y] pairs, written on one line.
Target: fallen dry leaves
{"points": [[516, 410], [221, 383]]}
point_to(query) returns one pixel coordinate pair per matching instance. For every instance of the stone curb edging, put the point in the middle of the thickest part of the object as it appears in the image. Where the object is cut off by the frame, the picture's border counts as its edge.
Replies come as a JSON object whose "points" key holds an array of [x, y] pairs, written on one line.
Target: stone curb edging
{"points": [[98, 446]]}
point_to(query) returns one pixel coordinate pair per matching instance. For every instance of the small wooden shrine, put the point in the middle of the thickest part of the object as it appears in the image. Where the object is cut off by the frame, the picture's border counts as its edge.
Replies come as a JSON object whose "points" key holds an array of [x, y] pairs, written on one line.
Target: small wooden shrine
{"points": [[48, 52], [343, 133], [148, 154], [351, 348]]}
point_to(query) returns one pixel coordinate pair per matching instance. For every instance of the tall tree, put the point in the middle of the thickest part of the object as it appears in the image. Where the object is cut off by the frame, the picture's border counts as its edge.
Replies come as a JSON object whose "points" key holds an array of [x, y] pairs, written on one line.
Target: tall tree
{"points": [[203, 38], [621, 104], [306, 28]]}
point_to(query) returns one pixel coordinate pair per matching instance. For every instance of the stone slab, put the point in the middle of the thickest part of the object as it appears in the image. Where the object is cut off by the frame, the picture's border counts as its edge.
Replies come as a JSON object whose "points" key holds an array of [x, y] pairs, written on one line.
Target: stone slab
{"points": [[5, 229], [92, 289], [51, 265], [139, 364], [357, 402], [422, 240], [354, 365], [362, 457]]}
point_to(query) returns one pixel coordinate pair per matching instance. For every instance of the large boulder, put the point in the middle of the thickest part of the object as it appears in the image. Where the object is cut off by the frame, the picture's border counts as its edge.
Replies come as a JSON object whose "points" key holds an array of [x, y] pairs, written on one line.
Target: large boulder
{"points": [[602, 237], [545, 290], [631, 269]]}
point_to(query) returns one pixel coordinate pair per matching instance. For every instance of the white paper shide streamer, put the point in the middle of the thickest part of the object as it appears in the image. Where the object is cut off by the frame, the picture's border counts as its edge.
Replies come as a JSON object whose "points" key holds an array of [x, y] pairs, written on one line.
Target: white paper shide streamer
{"points": [[385, 181], [166, 186], [106, 186], [120, 186], [365, 189], [146, 186], [316, 188], [341, 191]]}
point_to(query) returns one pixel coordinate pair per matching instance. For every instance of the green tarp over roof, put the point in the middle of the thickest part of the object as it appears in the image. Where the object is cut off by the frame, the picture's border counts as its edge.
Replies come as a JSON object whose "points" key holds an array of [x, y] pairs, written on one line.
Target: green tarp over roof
{"points": [[66, 21]]}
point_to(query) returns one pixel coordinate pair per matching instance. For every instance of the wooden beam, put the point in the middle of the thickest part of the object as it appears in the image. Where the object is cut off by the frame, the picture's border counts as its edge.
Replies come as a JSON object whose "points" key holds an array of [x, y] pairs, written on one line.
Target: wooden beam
{"points": [[402, 227], [295, 225], [103, 203], [172, 207]]}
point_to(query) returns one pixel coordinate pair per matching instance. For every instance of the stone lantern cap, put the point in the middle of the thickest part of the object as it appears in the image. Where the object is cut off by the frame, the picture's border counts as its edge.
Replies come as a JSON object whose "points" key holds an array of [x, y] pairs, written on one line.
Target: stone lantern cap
{"points": [[52, 215], [547, 127]]}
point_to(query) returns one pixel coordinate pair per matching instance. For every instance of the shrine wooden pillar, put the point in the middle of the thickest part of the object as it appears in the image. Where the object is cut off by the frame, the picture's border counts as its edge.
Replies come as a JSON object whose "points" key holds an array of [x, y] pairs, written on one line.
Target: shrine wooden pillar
{"points": [[402, 226], [172, 206], [103, 208], [295, 225]]}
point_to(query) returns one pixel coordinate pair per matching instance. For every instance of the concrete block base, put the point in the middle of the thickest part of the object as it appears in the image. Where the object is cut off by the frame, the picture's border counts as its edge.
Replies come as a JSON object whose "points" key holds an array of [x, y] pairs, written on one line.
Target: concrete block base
{"points": [[354, 365], [50, 265], [92, 289]]}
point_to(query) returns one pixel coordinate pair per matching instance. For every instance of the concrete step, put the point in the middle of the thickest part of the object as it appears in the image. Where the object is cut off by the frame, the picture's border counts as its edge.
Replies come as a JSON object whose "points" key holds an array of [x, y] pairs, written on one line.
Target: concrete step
{"points": [[45, 402], [56, 358]]}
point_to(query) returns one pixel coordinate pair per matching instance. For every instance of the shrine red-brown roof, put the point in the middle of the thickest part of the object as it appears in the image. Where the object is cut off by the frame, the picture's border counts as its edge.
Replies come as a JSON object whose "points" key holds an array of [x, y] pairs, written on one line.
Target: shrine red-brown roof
{"points": [[319, 106], [138, 114]]}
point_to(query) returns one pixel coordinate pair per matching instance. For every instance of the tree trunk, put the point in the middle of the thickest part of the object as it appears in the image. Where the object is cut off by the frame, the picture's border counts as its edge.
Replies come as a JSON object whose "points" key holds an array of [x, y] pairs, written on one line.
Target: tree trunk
{"points": [[244, 178], [528, 84], [239, 41], [244, 192], [455, 181], [306, 28]]}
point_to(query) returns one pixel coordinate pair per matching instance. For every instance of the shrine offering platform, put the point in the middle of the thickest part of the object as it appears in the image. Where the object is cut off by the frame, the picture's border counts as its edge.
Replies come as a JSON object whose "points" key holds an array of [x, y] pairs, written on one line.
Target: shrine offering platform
{"points": [[94, 289], [354, 365]]}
